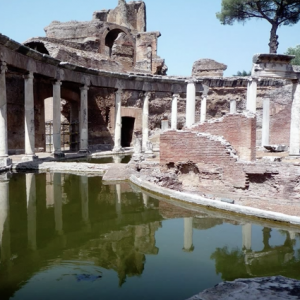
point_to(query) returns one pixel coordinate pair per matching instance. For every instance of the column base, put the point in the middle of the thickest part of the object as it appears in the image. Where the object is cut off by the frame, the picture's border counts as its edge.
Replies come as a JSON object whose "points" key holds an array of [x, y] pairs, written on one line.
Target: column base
{"points": [[118, 150], [30, 157], [58, 155], [5, 161], [83, 151]]}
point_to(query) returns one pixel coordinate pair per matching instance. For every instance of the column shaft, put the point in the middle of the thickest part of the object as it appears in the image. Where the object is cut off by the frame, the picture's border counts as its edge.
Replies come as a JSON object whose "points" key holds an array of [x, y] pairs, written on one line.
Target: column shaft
{"points": [[31, 210], [295, 120], [251, 95], [84, 188], [83, 125], [118, 121], [3, 112], [57, 119], [232, 106], [29, 116], [247, 236], [188, 235], [174, 111], [190, 103], [145, 121], [203, 109], [57, 192], [266, 123]]}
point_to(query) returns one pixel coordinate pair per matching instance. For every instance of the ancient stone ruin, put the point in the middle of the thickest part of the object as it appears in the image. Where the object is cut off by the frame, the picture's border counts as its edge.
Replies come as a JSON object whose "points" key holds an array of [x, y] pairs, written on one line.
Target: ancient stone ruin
{"points": [[114, 40]]}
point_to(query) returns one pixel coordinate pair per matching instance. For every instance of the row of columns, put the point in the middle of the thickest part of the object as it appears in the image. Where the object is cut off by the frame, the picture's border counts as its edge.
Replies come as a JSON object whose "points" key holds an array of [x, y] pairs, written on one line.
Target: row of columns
{"points": [[29, 116]]}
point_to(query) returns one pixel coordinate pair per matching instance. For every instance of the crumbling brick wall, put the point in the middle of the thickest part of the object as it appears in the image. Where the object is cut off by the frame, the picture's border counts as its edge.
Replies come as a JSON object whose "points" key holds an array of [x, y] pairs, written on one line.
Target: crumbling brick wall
{"points": [[238, 129], [211, 154]]}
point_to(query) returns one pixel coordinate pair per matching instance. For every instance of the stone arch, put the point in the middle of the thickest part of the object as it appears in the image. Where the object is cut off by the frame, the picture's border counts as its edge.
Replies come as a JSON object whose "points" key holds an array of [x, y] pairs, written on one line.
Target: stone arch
{"points": [[38, 46]]}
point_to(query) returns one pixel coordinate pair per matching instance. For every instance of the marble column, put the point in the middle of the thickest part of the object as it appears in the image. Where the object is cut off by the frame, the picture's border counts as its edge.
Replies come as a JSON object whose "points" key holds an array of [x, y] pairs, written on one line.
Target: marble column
{"points": [[145, 199], [247, 236], [57, 192], [145, 121], [57, 119], [118, 121], [232, 106], [4, 221], [266, 123], [190, 102], [118, 200], [83, 119], [31, 210], [203, 109], [174, 111], [295, 120], [84, 189], [188, 235], [3, 112], [251, 95], [29, 118]]}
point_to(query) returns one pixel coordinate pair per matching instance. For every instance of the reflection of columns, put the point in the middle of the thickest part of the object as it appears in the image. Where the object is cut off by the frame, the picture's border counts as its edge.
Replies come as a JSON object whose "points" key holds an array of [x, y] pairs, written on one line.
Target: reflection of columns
{"points": [[31, 210], [232, 106], [84, 188], [266, 123], [117, 159], [174, 111], [145, 120], [3, 112], [4, 221], [203, 108], [57, 191], [57, 119], [118, 120], [83, 125], [190, 103], [118, 199], [247, 234], [266, 236], [145, 199], [295, 120], [29, 117], [251, 95], [188, 235]]}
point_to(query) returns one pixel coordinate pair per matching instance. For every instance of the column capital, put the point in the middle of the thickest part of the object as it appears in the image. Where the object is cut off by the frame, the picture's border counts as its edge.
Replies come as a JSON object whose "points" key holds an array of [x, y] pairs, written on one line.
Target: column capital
{"points": [[84, 88], [147, 94], [255, 79], [3, 67], [119, 92], [29, 76], [176, 96], [57, 82], [191, 80]]}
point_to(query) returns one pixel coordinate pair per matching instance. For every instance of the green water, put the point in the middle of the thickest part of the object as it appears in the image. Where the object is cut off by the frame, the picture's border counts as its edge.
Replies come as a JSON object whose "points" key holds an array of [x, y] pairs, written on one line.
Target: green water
{"points": [[123, 159], [71, 237]]}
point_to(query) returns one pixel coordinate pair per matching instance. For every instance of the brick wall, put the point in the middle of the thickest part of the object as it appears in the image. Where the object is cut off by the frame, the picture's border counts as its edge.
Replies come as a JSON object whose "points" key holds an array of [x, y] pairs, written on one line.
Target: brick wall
{"points": [[238, 129], [187, 146]]}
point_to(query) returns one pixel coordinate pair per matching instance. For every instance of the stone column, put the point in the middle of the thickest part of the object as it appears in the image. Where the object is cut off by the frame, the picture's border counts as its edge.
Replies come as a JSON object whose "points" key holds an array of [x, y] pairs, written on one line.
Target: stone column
{"points": [[145, 199], [84, 189], [29, 118], [118, 121], [266, 123], [188, 235], [118, 200], [190, 102], [57, 120], [31, 210], [57, 191], [4, 219], [203, 108], [3, 112], [83, 119], [251, 95], [247, 233], [233, 106], [295, 120], [145, 121], [174, 111]]}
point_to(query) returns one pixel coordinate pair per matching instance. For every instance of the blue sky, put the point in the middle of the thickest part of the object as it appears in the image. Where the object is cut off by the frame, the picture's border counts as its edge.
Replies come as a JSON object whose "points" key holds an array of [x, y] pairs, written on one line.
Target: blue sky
{"points": [[189, 28]]}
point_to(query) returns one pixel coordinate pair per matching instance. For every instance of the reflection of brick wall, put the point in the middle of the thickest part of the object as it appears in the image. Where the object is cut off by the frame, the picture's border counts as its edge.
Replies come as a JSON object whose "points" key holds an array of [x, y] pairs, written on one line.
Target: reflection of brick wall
{"points": [[184, 146], [238, 129]]}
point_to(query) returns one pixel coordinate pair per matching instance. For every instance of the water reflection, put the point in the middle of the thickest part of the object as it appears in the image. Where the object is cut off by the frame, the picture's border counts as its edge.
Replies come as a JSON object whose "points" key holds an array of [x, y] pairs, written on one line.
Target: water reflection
{"points": [[61, 228]]}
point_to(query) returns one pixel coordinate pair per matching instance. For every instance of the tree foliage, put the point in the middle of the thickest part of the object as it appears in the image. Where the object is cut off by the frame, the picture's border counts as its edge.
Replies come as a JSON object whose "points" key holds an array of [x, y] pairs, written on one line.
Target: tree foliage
{"points": [[243, 73], [294, 51], [276, 12]]}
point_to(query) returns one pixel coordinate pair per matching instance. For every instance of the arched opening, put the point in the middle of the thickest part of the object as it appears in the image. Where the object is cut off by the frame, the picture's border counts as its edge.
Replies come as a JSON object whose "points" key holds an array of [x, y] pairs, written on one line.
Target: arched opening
{"points": [[110, 39], [38, 47], [127, 131]]}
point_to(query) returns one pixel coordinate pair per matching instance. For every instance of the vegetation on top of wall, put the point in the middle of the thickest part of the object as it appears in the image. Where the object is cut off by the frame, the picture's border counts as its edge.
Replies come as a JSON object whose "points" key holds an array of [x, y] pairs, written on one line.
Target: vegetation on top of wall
{"points": [[294, 51]]}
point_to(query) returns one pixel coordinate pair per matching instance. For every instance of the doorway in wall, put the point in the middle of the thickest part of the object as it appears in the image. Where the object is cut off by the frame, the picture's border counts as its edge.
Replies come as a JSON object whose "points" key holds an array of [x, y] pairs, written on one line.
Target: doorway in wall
{"points": [[127, 131]]}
